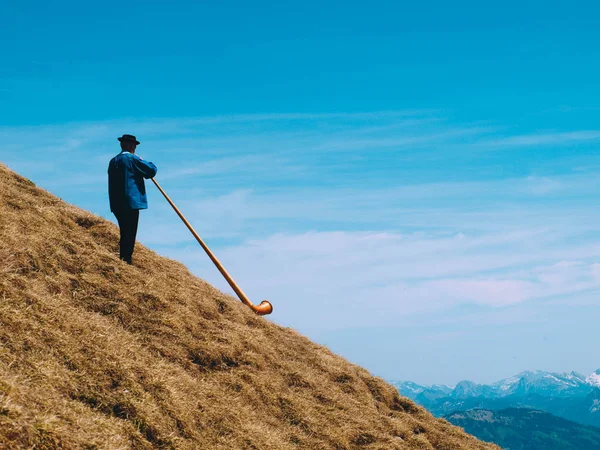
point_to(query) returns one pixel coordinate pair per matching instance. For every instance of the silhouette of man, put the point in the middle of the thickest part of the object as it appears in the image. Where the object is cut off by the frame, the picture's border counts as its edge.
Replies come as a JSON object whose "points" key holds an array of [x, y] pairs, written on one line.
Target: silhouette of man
{"points": [[127, 192]]}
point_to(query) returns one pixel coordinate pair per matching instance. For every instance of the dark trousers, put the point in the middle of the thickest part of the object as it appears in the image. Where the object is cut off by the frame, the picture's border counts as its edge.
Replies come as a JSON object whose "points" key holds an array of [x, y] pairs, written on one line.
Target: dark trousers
{"points": [[128, 225]]}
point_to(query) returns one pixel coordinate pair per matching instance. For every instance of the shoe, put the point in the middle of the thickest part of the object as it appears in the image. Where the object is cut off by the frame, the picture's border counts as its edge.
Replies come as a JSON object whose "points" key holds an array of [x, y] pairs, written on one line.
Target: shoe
{"points": [[128, 261]]}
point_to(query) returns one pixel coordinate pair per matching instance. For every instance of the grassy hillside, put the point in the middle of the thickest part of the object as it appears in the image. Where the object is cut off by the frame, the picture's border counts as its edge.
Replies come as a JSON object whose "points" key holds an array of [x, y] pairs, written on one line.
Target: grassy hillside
{"points": [[527, 429], [96, 354]]}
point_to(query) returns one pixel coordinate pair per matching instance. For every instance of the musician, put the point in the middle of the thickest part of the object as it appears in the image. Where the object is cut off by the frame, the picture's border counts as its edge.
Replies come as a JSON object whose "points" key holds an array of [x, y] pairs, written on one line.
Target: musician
{"points": [[127, 191]]}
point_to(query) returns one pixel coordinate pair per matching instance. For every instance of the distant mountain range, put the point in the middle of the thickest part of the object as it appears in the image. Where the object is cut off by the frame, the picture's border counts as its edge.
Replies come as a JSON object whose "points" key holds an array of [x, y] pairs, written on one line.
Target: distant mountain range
{"points": [[571, 396], [526, 429]]}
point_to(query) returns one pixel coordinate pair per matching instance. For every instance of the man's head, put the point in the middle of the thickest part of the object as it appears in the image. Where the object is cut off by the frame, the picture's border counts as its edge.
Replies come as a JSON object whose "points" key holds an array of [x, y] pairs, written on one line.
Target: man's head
{"points": [[128, 143]]}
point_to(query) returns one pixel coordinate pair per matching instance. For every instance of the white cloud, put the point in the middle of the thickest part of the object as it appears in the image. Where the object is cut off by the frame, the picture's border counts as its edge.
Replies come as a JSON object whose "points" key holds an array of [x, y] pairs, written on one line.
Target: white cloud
{"points": [[296, 207], [340, 274], [536, 139]]}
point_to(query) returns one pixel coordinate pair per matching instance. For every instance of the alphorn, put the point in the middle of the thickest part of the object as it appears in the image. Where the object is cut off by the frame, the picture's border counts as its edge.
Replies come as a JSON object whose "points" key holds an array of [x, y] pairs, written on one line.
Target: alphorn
{"points": [[264, 308]]}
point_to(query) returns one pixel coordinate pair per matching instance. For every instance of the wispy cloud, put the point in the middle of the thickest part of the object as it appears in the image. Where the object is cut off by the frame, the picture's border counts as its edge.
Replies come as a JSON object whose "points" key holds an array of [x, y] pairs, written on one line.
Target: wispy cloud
{"points": [[537, 139], [388, 210], [339, 273]]}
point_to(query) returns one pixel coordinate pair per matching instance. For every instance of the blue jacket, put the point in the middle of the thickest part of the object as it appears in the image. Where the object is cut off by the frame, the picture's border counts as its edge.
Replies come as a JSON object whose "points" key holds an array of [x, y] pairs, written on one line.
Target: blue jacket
{"points": [[126, 189]]}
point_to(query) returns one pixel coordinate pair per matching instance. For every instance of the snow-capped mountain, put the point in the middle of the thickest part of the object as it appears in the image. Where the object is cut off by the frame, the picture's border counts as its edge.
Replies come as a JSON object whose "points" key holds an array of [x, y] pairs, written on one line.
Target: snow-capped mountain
{"points": [[433, 392], [408, 388], [543, 383], [569, 395], [415, 391], [466, 389], [528, 382], [594, 379]]}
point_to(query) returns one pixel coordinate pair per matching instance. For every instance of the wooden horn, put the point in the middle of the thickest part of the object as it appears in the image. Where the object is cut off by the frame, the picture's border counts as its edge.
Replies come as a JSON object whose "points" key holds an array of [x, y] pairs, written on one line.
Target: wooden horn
{"points": [[264, 308]]}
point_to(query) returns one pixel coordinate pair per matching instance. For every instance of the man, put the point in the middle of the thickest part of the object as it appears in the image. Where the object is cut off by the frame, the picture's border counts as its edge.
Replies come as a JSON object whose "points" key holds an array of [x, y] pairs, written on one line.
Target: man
{"points": [[127, 192]]}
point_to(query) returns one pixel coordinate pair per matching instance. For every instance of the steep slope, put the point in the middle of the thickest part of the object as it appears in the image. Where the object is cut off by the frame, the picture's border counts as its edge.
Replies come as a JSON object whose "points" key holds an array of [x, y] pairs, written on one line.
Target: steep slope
{"points": [[97, 354], [526, 429]]}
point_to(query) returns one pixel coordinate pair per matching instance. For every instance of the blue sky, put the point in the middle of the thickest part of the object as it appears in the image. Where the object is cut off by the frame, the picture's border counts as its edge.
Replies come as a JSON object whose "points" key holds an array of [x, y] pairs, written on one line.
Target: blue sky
{"points": [[425, 177]]}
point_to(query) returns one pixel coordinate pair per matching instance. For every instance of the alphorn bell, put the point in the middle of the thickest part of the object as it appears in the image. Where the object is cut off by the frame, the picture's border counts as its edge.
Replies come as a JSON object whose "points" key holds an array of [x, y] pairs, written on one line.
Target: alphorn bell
{"points": [[264, 308]]}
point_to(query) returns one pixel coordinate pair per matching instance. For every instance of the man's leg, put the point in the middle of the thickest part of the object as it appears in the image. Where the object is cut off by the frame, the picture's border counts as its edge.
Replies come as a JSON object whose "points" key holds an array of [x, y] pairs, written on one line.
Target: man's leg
{"points": [[135, 217], [122, 217], [128, 223]]}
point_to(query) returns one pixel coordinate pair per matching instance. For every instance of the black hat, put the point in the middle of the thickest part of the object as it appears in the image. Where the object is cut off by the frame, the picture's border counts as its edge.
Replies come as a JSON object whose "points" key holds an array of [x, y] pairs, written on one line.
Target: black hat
{"points": [[128, 137]]}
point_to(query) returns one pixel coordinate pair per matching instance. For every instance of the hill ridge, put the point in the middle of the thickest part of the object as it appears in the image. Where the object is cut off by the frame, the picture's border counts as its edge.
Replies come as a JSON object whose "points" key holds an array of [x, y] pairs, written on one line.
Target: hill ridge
{"points": [[527, 429], [96, 354]]}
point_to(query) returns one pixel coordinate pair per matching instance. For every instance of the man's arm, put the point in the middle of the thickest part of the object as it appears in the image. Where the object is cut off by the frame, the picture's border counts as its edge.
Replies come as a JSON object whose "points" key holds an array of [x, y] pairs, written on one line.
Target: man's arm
{"points": [[145, 168]]}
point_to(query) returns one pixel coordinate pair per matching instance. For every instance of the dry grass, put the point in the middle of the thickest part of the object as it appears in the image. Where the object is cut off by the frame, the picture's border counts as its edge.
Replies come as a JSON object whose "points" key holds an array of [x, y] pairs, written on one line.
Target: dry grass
{"points": [[96, 354]]}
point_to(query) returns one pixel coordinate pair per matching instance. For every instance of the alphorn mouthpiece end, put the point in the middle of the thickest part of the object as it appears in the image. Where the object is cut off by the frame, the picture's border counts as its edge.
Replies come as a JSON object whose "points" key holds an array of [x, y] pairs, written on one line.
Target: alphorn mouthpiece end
{"points": [[264, 308]]}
